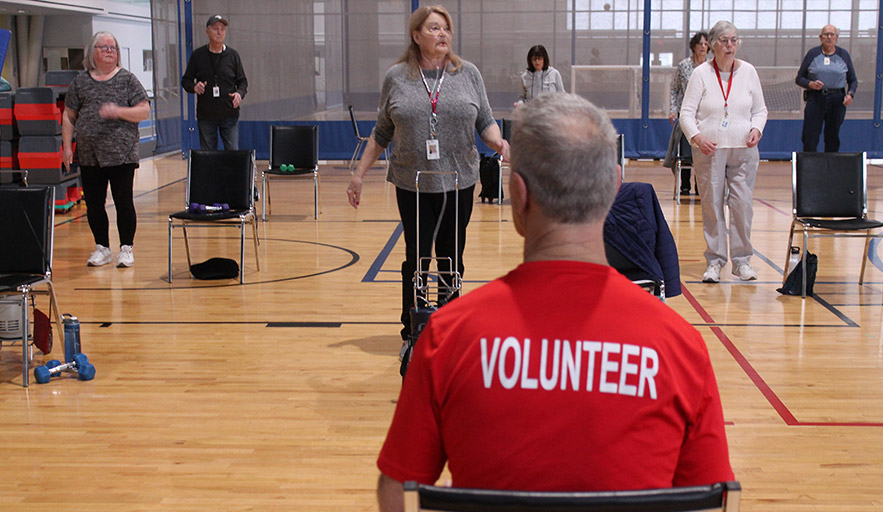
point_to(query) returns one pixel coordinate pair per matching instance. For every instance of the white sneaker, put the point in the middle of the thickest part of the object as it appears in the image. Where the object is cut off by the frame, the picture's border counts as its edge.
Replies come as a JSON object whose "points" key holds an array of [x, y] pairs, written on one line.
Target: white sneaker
{"points": [[125, 258], [745, 272], [101, 256], [712, 274]]}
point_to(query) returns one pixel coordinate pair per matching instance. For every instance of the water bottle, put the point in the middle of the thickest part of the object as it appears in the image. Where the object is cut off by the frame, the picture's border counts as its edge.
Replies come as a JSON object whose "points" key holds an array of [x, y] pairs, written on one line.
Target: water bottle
{"points": [[71, 337], [793, 259]]}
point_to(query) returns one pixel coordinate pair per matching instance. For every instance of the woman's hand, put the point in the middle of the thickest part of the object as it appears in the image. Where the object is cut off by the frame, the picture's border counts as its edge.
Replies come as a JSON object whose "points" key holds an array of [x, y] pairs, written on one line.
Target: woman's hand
{"points": [[504, 150], [67, 158], [109, 111], [354, 191], [704, 144], [753, 138], [672, 116]]}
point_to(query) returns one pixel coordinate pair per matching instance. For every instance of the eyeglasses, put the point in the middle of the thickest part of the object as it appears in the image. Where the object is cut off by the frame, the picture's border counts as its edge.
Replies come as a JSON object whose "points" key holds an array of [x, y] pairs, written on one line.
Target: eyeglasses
{"points": [[724, 40], [828, 34], [106, 48]]}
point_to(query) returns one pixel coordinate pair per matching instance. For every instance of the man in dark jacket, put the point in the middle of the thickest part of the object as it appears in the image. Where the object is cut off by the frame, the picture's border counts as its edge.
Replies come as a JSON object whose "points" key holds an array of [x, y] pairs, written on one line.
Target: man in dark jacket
{"points": [[215, 74]]}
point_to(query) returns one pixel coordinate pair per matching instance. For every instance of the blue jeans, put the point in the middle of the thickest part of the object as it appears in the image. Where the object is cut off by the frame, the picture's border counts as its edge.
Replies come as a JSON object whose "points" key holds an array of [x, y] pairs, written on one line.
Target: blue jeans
{"points": [[208, 133]]}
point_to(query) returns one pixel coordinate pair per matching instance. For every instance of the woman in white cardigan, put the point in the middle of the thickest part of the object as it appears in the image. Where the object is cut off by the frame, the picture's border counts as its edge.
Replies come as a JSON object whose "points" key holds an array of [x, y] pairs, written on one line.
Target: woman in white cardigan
{"points": [[723, 116]]}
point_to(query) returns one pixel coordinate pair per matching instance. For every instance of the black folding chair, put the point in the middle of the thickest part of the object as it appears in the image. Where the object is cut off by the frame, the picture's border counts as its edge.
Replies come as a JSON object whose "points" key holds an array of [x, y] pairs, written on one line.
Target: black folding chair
{"points": [[829, 200], [297, 149], [723, 496], [219, 177], [27, 232]]}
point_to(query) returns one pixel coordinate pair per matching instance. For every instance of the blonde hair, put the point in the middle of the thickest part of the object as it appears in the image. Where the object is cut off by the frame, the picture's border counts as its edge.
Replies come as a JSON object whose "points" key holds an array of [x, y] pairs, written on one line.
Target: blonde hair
{"points": [[415, 23], [89, 57]]}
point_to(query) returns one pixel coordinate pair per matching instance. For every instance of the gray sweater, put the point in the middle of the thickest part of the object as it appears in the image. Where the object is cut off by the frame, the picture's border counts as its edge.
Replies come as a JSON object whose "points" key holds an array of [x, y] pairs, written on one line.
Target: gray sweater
{"points": [[403, 118]]}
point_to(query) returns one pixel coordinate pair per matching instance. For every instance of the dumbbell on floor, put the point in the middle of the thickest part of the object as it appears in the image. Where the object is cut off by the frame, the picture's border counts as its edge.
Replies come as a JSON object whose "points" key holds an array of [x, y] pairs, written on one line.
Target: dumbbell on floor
{"points": [[204, 208], [85, 370]]}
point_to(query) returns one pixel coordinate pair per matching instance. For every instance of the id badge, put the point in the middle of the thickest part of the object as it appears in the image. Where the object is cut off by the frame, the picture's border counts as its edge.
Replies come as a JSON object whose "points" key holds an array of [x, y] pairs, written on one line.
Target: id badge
{"points": [[216, 91], [432, 152], [827, 61], [725, 123]]}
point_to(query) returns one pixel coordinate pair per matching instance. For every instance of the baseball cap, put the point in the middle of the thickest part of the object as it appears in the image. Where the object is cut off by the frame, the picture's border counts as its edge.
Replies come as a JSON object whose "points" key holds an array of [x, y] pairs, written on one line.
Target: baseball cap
{"points": [[216, 18]]}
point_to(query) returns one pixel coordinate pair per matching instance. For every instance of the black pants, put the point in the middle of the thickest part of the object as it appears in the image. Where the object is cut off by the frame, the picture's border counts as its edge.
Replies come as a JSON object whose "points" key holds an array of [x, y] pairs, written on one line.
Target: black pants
{"points": [[827, 109], [431, 205], [121, 179]]}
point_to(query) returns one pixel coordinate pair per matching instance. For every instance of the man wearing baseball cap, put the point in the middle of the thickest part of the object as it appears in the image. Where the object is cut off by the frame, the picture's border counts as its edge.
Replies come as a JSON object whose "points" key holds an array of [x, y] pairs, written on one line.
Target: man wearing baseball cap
{"points": [[215, 74]]}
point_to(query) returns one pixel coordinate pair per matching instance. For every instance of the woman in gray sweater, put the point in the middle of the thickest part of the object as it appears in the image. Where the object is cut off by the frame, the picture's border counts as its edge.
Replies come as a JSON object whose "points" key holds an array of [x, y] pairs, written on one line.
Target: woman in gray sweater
{"points": [[431, 105]]}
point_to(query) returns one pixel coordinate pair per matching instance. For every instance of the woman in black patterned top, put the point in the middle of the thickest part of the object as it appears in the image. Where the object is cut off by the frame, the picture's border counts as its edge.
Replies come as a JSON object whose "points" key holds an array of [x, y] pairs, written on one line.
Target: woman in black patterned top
{"points": [[699, 50], [105, 104]]}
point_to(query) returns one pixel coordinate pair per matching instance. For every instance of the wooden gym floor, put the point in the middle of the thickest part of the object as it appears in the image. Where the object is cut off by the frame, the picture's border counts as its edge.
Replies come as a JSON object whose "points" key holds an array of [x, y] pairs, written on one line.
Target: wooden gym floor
{"points": [[276, 395]]}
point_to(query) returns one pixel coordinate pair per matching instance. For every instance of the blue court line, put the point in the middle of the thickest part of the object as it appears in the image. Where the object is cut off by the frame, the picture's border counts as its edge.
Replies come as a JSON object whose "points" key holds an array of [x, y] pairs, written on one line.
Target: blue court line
{"points": [[872, 254], [374, 269]]}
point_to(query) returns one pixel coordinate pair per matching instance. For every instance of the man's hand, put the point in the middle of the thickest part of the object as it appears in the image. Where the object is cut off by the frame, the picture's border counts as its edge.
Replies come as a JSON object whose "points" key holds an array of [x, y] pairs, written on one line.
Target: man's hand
{"points": [[237, 99], [847, 100], [199, 88], [817, 85]]}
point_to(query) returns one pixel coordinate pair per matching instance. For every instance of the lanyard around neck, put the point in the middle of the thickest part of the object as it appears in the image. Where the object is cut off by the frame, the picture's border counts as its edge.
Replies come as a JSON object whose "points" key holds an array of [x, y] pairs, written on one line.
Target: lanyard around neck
{"points": [[721, 83], [436, 88]]}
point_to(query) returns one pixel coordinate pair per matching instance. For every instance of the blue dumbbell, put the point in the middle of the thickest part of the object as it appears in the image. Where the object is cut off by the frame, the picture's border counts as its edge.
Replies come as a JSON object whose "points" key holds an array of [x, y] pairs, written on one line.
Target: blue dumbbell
{"points": [[85, 370]]}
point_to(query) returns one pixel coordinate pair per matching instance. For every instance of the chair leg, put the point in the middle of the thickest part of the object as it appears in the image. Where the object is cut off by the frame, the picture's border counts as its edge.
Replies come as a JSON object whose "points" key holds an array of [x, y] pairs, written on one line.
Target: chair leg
{"points": [[861, 277], [25, 336], [257, 258], [500, 183], [316, 195], [803, 266], [59, 324], [355, 157], [788, 255], [263, 197], [677, 194], [187, 245], [170, 250], [241, 252]]}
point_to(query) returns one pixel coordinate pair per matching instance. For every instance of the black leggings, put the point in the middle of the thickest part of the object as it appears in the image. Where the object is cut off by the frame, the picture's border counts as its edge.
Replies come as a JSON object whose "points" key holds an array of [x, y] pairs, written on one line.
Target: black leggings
{"points": [[430, 210], [121, 179]]}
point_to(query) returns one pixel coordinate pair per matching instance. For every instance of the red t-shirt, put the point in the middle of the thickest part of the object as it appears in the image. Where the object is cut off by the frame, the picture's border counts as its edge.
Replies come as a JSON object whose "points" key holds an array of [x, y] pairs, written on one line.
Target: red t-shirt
{"points": [[562, 376]]}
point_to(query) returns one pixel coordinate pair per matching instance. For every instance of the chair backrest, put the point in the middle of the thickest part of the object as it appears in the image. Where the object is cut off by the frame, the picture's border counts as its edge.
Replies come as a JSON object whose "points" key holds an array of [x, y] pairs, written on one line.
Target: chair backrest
{"points": [[720, 496], [221, 177], [294, 145], [27, 218], [355, 124], [829, 184]]}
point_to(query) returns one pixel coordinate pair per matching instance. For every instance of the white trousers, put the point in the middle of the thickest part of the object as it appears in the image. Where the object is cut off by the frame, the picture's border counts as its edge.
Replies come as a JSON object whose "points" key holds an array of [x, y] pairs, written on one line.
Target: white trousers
{"points": [[736, 169]]}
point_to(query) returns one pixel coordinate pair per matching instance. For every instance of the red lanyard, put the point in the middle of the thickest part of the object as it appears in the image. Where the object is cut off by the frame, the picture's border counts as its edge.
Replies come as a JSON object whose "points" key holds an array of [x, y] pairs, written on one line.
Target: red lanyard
{"points": [[435, 88], [721, 83]]}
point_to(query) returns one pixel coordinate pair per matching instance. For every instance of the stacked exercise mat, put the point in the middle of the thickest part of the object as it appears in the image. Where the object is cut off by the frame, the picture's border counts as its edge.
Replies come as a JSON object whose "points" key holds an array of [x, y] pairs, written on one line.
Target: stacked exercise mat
{"points": [[30, 138]]}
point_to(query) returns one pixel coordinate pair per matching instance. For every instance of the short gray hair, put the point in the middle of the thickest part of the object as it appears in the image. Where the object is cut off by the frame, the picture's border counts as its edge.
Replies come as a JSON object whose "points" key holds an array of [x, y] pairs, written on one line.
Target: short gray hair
{"points": [[565, 149], [718, 30], [89, 57]]}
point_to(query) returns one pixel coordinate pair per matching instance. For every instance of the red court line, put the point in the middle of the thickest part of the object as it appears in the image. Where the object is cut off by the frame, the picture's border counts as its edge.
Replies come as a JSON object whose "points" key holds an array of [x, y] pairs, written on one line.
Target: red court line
{"points": [[774, 208], [749, 370]]}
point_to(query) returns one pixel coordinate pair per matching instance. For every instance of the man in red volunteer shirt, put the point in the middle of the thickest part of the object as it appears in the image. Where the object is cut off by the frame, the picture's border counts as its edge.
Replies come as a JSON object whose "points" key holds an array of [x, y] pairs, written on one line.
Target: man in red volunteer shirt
{"points": [[562, 375]]}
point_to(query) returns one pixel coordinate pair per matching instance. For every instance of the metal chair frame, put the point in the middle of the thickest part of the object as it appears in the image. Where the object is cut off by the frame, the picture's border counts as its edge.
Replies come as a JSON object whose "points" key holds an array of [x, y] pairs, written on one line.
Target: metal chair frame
{"points": [[723, 496], [237, 219], [20, 283], [844, 213], [306, 166]]}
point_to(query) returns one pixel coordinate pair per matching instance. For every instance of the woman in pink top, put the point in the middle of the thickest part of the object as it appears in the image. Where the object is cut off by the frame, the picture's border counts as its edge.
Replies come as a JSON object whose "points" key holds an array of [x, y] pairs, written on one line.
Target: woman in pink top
{"points": [[723, 116]]}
